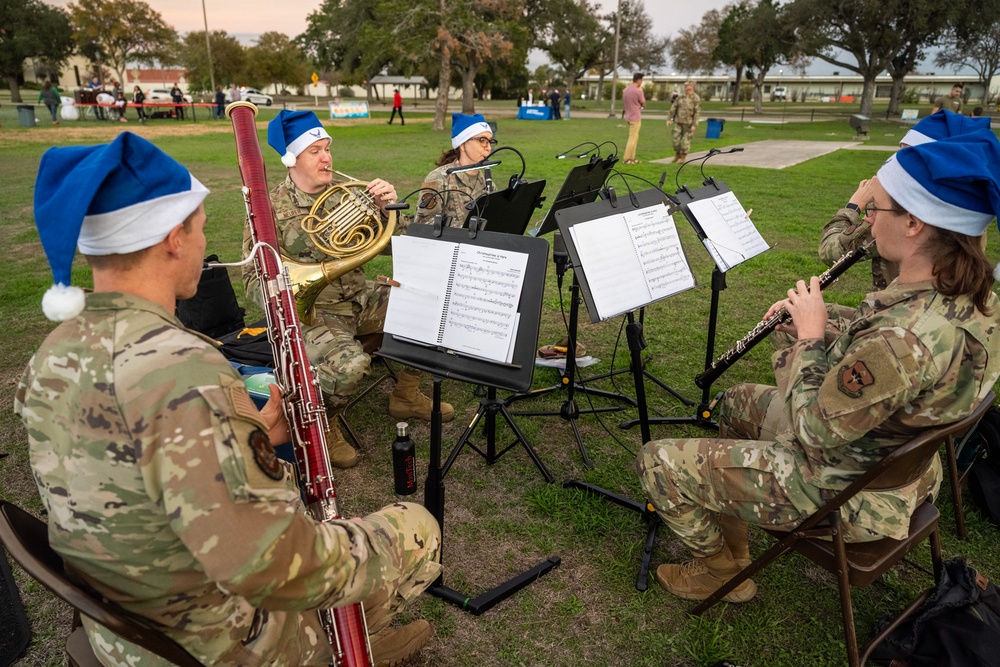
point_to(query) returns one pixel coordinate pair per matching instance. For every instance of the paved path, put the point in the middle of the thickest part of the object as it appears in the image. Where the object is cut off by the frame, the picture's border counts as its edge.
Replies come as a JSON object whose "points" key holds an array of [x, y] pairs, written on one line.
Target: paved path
{"points": [[778, 154]]}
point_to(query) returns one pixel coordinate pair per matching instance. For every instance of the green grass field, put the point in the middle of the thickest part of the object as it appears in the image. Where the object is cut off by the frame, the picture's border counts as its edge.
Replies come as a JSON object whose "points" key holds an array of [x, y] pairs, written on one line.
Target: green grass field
{"points": [[502, 519]]}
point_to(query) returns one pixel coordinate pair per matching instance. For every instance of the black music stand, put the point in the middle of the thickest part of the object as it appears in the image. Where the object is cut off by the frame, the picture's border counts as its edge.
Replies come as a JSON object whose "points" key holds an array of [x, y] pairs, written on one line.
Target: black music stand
{"points": [[515, 376], [636, 344], [582, 186], [507, 211]]}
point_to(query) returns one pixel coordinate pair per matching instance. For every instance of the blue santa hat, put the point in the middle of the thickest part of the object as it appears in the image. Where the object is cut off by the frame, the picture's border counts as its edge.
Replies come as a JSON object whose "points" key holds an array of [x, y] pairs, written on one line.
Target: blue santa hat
{"points": [[465, 127], [952, 183], [941, 125], [291, 132], [109, 199]]}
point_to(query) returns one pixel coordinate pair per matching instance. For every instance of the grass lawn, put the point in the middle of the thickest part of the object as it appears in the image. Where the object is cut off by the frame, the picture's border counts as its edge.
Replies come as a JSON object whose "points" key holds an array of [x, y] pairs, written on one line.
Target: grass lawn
{"points": [[503, 519]]}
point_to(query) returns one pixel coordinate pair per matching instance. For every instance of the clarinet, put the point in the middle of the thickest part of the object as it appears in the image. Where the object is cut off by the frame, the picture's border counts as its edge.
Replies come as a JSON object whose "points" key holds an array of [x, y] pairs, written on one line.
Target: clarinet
{"points": [[303, 404], [761, 331]]}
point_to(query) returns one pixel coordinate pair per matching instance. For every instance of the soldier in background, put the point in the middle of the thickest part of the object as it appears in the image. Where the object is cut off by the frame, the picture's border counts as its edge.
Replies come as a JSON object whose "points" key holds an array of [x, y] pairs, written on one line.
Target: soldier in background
{"points": [[162, 489], [952, 101], [684, 116], [922, 352], [350, 306], [471, 142]]}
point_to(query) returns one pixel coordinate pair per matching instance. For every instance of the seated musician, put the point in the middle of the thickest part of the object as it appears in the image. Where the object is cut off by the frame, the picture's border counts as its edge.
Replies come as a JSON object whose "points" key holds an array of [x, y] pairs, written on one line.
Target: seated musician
{"points": [[351, 305], [162, 488], [471, 142], [920, 353]]}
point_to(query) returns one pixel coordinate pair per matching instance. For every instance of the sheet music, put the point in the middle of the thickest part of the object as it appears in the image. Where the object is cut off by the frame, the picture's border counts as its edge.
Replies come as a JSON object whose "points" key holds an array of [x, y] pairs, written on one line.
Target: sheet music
{"points": [[460, 296], [730, 235], [631, 259], [482, 312], [423, 264]]}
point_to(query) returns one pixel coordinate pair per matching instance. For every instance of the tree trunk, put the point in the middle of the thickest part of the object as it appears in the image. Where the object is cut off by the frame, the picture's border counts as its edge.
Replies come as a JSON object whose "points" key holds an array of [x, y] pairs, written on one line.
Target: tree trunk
{"points": [[469, 90], [444, 82], [600, 88], [868, 95], [758, 93], [736, 88], [15, 91], [896, 94]]}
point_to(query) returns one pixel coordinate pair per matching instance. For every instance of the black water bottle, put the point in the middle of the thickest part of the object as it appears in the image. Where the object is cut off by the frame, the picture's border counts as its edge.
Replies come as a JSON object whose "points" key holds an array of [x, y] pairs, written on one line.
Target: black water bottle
{"points": [[404, 461]]}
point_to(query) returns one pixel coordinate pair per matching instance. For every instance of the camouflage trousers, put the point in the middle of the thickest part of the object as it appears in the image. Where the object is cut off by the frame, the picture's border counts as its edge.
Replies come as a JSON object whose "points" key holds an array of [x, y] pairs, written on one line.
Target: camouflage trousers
{"points": [[681, 135], [405, 541], [338, 358], [691, 481], [633, 139]]}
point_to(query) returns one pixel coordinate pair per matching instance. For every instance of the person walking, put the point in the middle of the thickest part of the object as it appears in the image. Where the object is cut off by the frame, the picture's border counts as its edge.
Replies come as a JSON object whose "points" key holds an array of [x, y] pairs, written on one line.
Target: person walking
{"points": [[566, 102], [220, 103], [684, 116], [177, 96], [397, 107], [138, 98], [554, 99], [634, 102], [49, 95]]}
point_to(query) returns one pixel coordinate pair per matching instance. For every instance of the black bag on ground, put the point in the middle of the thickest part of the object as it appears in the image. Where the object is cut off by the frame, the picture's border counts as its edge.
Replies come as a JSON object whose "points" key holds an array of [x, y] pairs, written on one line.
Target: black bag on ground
{"points": [[984, 480], [249, 346], [213, 310], [957, 626]]}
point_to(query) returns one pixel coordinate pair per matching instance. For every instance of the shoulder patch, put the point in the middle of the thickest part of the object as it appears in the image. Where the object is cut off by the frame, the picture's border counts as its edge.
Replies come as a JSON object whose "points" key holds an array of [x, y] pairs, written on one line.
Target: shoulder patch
{"points": [[854, 378], [264, 455]]}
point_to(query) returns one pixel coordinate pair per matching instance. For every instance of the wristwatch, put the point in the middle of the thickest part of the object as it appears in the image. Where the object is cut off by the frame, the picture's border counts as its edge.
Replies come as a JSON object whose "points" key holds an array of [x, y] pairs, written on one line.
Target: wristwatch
{"points": [[854, 207]]}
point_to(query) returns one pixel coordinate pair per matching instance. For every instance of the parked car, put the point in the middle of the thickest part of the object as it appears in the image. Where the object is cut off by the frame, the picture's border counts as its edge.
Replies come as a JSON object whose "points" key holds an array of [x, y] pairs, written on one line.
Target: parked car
{"points": [[163, 95], [780, 93], [253, 95]]}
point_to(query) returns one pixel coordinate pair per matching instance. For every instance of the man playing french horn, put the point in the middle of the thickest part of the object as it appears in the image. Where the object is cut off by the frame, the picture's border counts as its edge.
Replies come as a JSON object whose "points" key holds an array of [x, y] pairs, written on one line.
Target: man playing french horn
{"points": [[350, 305]]}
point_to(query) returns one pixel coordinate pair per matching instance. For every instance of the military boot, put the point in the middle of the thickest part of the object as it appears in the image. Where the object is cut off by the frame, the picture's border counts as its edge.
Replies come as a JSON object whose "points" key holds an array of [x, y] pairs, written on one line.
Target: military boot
{"points": [[736, 534], [677, 157], [406, 401], [699, 578], [393, 646], [342, 455]]}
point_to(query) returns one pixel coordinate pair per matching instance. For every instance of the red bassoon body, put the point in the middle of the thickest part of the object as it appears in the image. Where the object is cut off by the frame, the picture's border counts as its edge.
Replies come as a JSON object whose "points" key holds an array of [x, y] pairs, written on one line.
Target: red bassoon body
{"points": [[303, 402]]}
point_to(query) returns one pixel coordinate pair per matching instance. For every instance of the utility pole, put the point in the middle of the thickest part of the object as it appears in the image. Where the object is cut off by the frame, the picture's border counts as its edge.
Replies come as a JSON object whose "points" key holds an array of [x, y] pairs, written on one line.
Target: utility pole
{"points": [[614, 74], [208, 48]]}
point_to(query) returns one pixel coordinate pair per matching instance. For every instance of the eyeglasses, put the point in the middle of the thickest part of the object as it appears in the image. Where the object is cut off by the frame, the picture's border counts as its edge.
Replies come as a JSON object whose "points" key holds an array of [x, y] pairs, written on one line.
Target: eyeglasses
{"points": [[871, 208], [486, 141]]}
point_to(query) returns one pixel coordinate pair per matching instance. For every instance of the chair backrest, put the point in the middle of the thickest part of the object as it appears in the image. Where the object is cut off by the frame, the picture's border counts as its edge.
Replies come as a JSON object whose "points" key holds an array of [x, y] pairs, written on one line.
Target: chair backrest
{"points": [[26, 539], [903, 464]]}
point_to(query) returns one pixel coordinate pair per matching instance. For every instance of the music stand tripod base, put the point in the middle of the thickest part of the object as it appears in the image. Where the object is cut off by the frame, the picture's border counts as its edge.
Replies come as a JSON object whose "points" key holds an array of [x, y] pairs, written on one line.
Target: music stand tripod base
{"points": [[489, 599]]}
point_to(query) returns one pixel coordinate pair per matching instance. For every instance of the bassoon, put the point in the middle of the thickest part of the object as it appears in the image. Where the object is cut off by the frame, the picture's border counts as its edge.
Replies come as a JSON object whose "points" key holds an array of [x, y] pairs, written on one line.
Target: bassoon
{"points": [[303, 403], [762, 330]]}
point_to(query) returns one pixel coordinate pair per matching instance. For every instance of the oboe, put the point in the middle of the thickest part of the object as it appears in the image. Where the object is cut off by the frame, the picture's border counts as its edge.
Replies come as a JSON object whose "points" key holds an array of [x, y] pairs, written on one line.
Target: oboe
{"points": [[761, 331], [303, 403]]}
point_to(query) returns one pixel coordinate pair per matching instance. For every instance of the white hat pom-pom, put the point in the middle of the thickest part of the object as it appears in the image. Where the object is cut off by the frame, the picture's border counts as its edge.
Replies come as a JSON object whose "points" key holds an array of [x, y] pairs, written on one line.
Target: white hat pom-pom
{"points": [[61, 302], [288, 159]]}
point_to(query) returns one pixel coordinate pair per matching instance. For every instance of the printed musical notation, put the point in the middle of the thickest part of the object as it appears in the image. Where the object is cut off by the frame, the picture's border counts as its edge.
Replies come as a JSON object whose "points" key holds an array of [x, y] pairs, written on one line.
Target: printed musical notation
{"points": [[631, 259], [730, 236], [480, 289]]}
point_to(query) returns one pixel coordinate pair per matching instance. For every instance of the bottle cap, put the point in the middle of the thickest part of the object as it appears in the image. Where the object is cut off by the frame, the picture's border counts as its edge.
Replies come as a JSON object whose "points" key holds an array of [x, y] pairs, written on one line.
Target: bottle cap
{"points": [[402, 428]]}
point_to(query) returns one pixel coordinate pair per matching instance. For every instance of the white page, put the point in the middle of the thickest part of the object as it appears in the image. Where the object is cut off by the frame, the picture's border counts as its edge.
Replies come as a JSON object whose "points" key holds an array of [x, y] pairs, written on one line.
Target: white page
{"points": [[729, 230], [424, 265], [482, 311], [609, 261], [658, 247]]}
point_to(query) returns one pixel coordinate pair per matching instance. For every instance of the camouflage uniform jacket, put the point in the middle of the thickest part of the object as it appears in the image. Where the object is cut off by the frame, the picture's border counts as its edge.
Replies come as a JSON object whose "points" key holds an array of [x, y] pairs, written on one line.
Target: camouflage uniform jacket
{"points": [[685, 110], [910, 359], [164, 494], [847, 231], [472, 183], [953, 104], [291, 206]]}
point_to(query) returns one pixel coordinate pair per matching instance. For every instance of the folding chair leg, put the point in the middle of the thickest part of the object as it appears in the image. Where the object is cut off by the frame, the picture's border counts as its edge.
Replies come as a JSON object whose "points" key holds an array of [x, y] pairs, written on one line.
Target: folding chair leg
{"points": [[935, 540], [956, 487], [846, 608]]}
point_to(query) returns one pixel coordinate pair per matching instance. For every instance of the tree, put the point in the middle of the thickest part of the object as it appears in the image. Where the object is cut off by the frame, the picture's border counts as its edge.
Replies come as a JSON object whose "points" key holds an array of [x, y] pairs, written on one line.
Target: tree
{"points": [[31, 29], [920, 24], [119, 32], [973, 41], [639, 50], [872, 32], [228, 58], [766, 38], [729, 49], [692, 50], [573, 36], [276, 59]]}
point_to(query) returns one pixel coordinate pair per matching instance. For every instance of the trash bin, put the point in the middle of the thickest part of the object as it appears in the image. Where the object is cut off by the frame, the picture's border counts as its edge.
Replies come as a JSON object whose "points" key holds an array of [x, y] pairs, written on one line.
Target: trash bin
{"points": [[26, 114], [715, 126]]}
